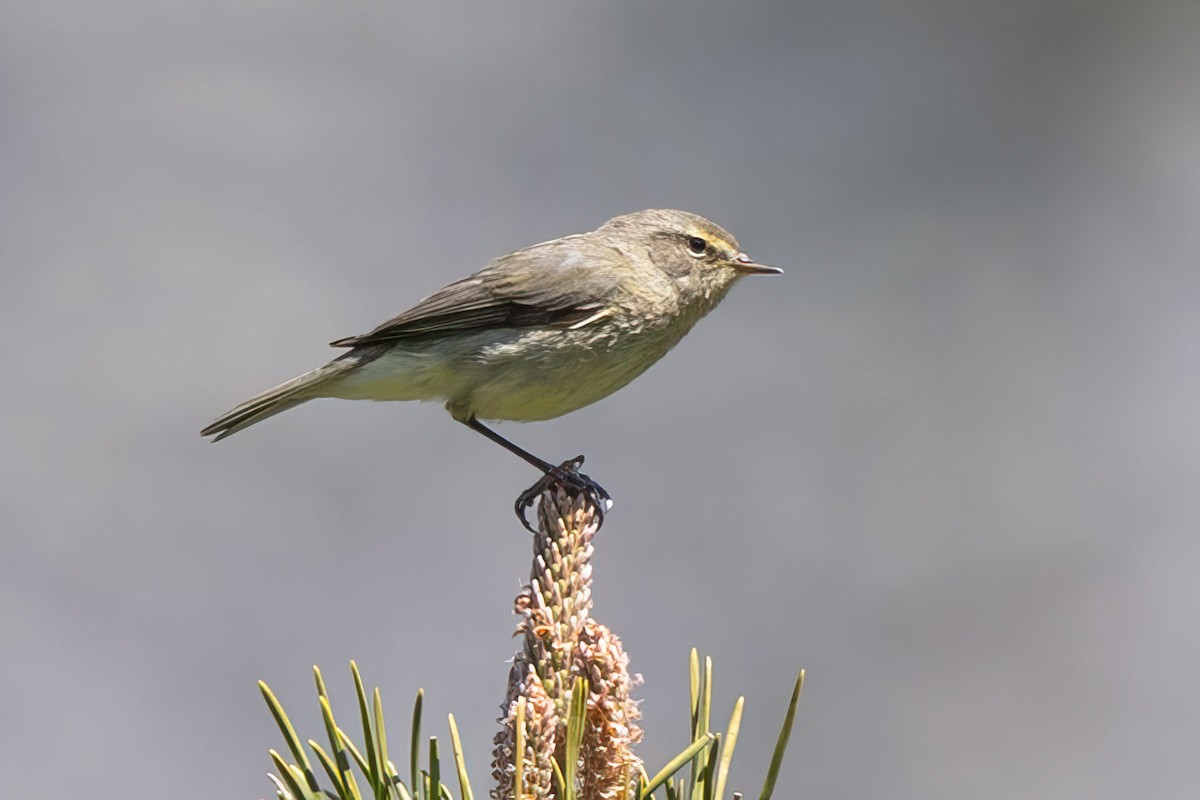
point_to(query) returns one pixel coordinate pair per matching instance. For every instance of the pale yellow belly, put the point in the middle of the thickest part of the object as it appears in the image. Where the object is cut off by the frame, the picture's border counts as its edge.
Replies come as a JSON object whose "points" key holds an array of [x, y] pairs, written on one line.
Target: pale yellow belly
{"points": [[518, 375]]}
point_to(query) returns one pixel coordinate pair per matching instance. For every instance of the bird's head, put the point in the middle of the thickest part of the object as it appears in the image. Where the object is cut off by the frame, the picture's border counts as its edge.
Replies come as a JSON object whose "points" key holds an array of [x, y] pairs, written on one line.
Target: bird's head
{"points": [[701, 257]]}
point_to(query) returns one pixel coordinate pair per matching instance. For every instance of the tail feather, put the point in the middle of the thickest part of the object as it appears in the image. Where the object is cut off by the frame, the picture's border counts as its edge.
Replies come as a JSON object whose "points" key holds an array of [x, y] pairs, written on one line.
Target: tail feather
{"points": [[280, 398]]}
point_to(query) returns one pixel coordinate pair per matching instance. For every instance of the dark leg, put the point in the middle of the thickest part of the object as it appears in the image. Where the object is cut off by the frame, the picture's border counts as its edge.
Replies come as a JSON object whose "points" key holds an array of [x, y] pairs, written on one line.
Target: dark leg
{"points": [[565, 474], [476, 425]]}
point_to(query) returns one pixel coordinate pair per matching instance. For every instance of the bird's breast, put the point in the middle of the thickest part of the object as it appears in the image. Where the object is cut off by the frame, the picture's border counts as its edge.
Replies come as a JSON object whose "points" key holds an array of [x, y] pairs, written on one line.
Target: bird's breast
{"points": [[548, 373]]}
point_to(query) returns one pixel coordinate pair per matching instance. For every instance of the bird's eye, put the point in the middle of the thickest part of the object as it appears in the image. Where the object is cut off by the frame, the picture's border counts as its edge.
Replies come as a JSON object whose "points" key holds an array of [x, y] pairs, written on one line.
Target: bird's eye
{"points": [[697, 246]]}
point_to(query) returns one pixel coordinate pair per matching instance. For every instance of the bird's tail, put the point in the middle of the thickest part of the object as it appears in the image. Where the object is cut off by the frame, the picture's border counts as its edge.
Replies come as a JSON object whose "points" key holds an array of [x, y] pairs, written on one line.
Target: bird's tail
{"points": [[280, 398]]}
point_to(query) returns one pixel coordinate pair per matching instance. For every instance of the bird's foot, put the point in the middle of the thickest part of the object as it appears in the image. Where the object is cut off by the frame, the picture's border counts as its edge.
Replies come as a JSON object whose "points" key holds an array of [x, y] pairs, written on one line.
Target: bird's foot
{"points": [[567, 476]]}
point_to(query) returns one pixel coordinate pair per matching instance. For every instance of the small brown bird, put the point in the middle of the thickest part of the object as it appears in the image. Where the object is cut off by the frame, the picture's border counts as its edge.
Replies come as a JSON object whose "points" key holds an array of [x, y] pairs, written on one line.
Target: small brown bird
{"points": [[537, 333]]}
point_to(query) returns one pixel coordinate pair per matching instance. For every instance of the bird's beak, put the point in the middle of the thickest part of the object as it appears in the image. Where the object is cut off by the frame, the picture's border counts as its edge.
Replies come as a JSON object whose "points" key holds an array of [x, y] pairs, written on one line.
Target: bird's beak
{"points": [[747, 266]]}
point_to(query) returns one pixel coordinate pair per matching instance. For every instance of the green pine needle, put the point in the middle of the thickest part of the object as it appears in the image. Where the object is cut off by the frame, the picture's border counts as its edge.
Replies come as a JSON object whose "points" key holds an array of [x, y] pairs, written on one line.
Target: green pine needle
{"points": [[694, 690], [381, 751], [677, 763], [560, 783], [435, 770], [519, 755], [285, 727], [355, 753], [414, 748], [731, 737], [576, 722], [781, 744], [330, 768], [294, 786], [464, 783], [374, 774], [701, 705]]}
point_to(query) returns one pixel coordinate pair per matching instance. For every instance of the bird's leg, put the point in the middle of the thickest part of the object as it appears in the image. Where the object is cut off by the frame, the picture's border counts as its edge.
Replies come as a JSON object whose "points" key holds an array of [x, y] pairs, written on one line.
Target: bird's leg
{"points": [[475, 425], [565, 474]]}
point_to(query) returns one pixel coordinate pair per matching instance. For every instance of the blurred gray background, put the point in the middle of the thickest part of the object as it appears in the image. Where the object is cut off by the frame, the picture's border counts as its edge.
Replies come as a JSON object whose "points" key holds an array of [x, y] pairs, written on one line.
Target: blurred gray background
{"points": [[950, 463]]}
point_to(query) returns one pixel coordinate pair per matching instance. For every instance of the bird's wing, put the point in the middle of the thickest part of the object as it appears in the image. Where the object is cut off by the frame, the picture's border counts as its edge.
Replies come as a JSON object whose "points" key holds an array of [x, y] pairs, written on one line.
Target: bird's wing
{"points": [[555, 284]]}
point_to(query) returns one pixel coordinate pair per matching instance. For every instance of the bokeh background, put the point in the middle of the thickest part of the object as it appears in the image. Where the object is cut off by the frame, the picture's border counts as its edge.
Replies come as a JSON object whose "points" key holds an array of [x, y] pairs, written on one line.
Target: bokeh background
{"points": [[950, 463]]}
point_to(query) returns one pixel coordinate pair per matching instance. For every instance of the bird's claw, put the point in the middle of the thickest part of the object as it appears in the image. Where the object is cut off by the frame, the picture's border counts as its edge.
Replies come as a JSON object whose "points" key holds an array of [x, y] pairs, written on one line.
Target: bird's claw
{"points": [[567, 476]]}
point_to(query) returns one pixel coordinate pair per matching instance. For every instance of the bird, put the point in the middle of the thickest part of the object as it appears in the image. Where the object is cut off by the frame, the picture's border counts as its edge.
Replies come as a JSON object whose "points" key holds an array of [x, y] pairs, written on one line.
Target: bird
{"points": [[535, 334]]}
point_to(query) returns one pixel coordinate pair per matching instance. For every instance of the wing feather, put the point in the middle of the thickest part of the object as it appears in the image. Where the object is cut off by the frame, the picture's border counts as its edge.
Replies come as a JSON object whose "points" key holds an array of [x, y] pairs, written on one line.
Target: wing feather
{"points": [[554, 284]]}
